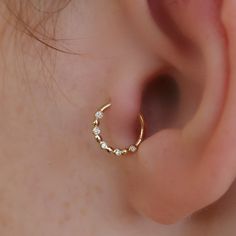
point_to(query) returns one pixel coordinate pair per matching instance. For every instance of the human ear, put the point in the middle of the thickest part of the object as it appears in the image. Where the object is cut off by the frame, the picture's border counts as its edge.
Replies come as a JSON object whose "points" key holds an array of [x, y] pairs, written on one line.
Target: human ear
{"points": [[183, 167]]}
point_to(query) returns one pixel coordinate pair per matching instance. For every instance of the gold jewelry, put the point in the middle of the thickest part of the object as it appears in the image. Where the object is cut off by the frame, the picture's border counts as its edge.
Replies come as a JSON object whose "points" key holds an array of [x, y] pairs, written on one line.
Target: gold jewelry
{"points": [[117, 151]]}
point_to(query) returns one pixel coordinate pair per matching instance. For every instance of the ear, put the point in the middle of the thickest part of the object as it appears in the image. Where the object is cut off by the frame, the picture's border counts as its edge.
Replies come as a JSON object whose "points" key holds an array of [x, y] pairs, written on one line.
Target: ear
{"points": [[188, 162]]}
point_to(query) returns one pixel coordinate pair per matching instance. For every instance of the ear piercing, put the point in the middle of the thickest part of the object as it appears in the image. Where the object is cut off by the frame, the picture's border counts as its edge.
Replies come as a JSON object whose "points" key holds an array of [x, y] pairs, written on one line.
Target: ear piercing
{"points": [[116, 151]]}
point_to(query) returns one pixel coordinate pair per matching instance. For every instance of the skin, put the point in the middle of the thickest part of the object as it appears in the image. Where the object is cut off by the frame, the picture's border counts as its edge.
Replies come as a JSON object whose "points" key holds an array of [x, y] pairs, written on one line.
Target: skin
{"points": [[54, 179]]}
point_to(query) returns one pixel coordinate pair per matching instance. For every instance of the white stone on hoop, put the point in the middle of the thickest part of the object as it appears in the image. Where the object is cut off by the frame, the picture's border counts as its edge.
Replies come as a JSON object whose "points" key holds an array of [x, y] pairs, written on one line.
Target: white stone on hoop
{"points": [[132, 148], [99, 115], [103, 145], [118, 152], [96, 130]]}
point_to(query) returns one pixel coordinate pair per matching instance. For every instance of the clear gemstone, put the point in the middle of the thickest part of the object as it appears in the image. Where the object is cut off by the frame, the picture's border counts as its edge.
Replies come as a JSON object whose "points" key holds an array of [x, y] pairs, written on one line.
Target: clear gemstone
{"points": [[103, 145], [118, 152], [132, 148], [99, 115], [96, 130]]}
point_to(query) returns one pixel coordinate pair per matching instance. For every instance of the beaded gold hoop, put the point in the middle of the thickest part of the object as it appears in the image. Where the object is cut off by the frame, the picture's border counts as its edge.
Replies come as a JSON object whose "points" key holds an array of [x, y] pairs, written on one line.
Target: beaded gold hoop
{"points": [[116, 151]]}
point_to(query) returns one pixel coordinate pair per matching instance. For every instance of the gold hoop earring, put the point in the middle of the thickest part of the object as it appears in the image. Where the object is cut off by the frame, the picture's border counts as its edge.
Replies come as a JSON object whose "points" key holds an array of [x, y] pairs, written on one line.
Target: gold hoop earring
{"points": [[116, 151]]}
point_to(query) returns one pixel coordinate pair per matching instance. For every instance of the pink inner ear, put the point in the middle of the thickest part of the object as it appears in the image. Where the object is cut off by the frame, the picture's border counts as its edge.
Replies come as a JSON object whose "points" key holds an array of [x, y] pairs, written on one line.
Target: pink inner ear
{"points": [[165, 22]]}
